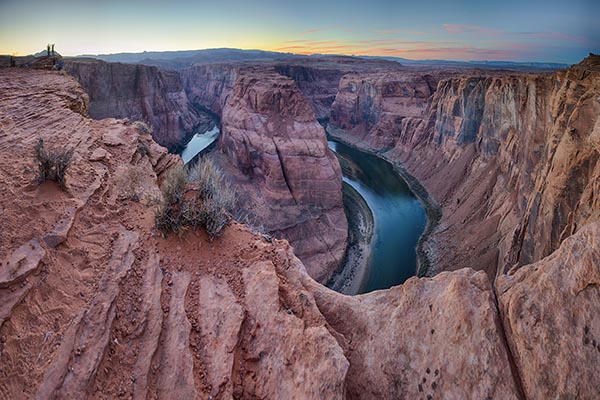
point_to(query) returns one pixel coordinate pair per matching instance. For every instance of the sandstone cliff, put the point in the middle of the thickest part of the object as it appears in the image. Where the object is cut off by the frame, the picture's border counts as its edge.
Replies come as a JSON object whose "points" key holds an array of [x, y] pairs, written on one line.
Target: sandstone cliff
{"points": [[143, 93], [510, 158]]}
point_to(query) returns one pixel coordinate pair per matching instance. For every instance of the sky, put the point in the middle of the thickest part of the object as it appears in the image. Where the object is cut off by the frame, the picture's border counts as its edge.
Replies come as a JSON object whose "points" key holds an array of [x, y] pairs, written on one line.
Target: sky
{"points": [[512, 30]]}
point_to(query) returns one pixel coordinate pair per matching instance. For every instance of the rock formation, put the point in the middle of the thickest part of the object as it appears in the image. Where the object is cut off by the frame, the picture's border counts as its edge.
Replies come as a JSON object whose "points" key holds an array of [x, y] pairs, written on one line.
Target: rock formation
{"points": [[550, 311], [288, 180], [143, 93], [94, 305]]}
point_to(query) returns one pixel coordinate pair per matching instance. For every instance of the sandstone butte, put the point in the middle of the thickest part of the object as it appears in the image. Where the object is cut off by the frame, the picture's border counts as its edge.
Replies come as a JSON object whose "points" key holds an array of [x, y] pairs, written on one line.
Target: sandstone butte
{"points": [[94, 304]]}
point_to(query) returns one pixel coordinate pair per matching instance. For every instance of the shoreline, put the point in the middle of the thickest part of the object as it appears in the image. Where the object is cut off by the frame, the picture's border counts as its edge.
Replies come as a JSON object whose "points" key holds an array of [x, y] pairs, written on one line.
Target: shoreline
{"points": [[432, 210], [350, 275]]}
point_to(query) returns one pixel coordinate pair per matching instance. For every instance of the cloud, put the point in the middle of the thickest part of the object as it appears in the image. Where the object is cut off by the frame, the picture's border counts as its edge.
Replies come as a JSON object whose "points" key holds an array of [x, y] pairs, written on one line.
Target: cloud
{"points": [[308, 32], [460, 29], [399, 31]]}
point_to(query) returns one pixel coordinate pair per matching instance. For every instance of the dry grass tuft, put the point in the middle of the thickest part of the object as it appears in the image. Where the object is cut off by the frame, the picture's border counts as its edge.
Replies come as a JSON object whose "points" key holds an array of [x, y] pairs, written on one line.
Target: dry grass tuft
{"points": [[208, 208], [52, 165]]}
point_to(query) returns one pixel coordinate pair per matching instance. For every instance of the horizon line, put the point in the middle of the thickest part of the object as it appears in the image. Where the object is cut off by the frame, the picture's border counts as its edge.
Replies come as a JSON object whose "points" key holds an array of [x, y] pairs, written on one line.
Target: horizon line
{"points": [[301, 55]]}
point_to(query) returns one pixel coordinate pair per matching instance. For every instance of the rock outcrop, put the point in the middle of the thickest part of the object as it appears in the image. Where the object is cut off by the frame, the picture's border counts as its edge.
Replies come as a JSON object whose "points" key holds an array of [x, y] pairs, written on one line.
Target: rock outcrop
{"points": [[287, 178], [94, 305], [143, 93], [550, 313]]}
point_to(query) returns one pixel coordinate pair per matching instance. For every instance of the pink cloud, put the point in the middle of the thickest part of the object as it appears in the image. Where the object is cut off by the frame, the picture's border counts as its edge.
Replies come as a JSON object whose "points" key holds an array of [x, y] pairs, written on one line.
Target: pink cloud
{"points": [[308, 32], [460, 29], [399, 31]]}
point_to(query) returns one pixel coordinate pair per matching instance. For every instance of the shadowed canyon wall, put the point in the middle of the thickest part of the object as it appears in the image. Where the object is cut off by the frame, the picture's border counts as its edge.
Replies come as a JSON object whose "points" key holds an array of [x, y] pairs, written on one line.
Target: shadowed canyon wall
{"points": [[141, 93]]}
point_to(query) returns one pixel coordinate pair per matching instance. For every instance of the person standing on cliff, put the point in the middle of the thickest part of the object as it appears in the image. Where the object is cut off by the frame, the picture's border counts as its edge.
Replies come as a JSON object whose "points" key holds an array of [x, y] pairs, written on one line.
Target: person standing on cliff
{"points": [[48, 50], [52, 49]]}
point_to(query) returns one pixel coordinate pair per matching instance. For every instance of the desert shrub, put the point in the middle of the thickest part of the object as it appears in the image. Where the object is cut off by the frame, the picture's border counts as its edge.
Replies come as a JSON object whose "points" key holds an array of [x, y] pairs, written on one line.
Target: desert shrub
{"points": [[208, 208], [129, 183], [217, 197], [52, 165], [143, 150], [170, 215], [143, 127]]}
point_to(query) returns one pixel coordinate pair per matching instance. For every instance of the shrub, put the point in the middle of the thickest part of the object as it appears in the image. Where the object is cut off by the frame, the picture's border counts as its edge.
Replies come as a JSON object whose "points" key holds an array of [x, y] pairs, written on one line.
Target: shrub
{"points": [[52, 165], [143, 150], [129, 183], [216, 195], [208, 208], [170, 216], [142, 127]]}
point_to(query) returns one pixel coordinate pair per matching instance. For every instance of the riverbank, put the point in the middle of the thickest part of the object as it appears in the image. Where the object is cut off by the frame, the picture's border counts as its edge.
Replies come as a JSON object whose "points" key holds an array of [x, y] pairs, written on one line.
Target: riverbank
{"points": [[352, 272], [432, 210]]}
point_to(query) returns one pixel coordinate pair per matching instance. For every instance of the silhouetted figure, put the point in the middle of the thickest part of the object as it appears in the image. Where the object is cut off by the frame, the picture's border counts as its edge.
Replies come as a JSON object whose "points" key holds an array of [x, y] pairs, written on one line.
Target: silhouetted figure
{"points": [[12, 61], [52, 49], [48, 50]]}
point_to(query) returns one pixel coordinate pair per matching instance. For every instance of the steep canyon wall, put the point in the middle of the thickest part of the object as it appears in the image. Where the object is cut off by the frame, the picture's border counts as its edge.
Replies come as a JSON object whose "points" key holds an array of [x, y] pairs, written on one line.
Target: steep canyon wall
{"points": [[511, 159]]}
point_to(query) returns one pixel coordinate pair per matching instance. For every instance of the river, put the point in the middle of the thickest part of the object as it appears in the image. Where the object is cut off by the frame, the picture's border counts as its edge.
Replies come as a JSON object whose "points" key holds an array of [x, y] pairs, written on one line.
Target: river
{"points": [[198, 143], [399, 217]]}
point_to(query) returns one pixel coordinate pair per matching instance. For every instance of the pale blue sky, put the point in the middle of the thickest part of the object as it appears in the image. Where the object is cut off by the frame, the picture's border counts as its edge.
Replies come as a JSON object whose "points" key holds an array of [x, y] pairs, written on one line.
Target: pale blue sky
{"points": [[559, 31]]}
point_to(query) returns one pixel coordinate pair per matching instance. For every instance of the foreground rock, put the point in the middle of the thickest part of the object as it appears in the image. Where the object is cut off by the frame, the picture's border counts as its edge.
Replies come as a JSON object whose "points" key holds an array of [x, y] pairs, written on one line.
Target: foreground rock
{"points": [[427, 338], [103, 308], [550, 311]]}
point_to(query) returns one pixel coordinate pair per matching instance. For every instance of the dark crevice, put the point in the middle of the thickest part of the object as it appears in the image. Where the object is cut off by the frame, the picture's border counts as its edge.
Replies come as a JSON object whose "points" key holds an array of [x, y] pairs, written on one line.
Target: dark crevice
{"points": [[285, 177], [514, 369]]}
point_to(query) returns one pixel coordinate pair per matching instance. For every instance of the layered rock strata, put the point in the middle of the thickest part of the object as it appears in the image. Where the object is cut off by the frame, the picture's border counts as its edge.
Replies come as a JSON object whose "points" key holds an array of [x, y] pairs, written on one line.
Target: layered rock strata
{"points": [[95, 305], [511, 159]]}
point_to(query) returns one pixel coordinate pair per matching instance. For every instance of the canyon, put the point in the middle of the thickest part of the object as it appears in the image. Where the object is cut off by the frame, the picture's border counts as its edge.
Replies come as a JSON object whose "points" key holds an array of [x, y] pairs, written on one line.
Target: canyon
{"points": [[96, 305]]}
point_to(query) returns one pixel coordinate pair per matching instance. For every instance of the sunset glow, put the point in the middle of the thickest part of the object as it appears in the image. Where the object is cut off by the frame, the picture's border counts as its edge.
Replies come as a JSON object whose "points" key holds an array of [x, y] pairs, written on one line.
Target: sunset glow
{"points": [[554, 31]]}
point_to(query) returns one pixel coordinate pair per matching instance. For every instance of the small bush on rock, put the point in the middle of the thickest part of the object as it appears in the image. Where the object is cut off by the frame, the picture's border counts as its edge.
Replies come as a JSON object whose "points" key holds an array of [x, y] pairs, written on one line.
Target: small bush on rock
{"points": [[52, 165], [129, 183], [208, 208], [143, 150], [170, 215], [142, 127]]}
